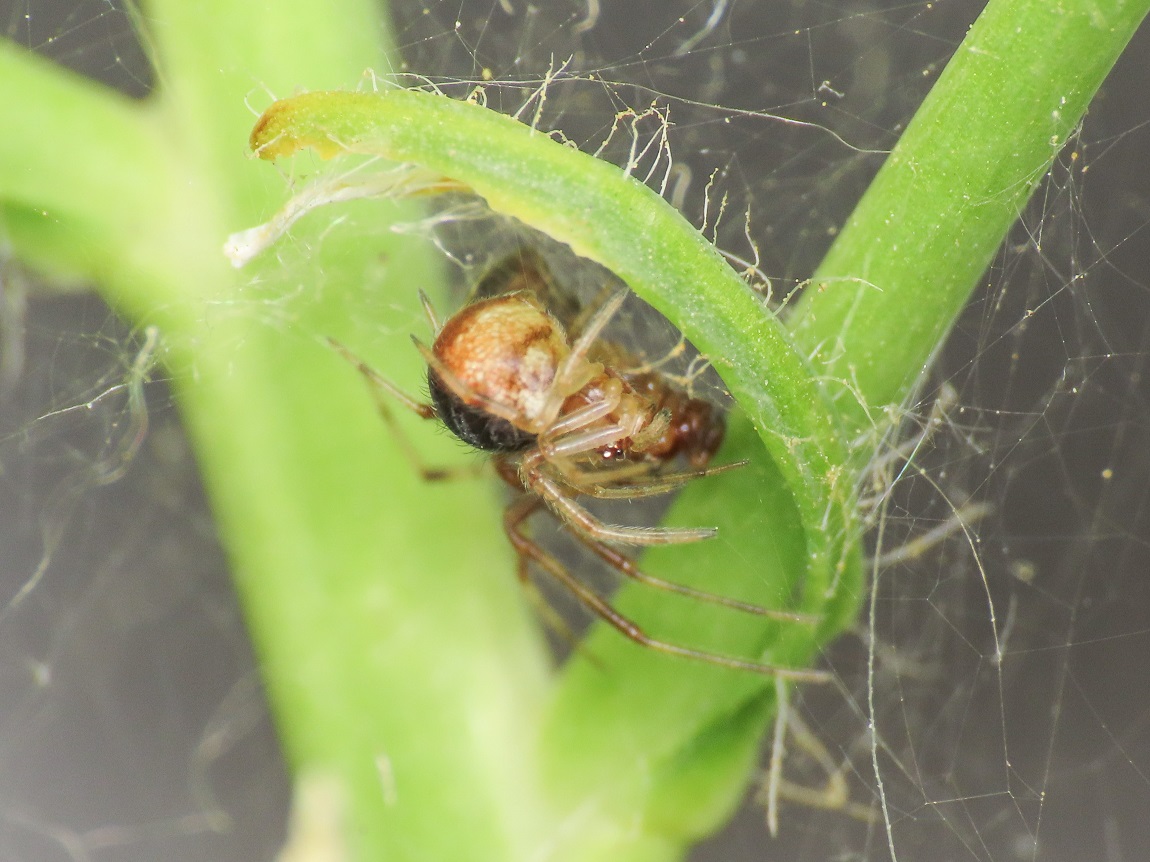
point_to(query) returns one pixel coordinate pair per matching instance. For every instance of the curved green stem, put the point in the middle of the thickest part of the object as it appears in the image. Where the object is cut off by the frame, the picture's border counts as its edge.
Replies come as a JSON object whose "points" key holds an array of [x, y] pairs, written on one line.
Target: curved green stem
{"points": [[613, 219]]}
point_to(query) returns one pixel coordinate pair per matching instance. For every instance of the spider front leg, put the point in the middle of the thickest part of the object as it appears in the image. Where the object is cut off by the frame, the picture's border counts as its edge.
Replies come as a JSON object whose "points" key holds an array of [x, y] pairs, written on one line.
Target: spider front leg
{"points": [[636, 480], [381, 389], [529, 551], [533, 476], [625, 566], [575, 370]]}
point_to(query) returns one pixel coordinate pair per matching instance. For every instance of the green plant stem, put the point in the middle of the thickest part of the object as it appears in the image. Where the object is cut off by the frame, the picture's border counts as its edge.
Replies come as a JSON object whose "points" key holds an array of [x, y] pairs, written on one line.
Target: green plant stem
{"points": [[209, 52], [396, 655], [613, 219], [78, 164], [701, 758], [928, 226]]}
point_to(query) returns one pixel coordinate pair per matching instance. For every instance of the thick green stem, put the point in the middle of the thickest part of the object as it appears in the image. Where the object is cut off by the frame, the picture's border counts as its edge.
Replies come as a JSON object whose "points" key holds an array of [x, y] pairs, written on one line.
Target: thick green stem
{"points": [[397, 657], [80, 167], [909, 257]]}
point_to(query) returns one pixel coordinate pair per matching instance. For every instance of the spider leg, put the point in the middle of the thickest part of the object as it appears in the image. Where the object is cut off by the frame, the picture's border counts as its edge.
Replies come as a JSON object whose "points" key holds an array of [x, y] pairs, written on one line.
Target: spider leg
{"points": [[429, 312], [380, 384], [579, 442], [575, 434], [605, 475], [595, 326], [625, 566], [624, 483], [581, 417], [381, 388], [529, 550], [554, 454], [514, 516], [580, 520], [572, 371], [579, 439]]}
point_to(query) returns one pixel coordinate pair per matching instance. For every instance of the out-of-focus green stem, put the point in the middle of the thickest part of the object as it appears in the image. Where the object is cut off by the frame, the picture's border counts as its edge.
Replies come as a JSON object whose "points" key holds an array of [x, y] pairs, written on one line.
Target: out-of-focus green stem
{"points": [[79, 165], [396, 656]]}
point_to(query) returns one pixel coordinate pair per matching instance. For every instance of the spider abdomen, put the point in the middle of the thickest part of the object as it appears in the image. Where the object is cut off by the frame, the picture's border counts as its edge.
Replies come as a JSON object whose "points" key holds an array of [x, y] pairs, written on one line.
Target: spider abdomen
{"points": [[504, 352]]}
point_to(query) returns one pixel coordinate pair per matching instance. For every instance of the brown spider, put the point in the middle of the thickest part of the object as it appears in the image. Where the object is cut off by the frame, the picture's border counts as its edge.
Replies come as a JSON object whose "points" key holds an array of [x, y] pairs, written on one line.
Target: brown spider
{"points": [[562, 422]]}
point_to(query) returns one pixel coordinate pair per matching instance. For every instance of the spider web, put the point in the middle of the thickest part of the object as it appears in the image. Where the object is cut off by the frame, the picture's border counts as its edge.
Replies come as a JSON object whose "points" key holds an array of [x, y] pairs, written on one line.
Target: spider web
{"points": [[991, 691]]}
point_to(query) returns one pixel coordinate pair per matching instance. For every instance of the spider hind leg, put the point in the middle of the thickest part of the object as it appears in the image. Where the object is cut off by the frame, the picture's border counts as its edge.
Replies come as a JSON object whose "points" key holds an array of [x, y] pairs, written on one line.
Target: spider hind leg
{"points": [[529, 551]]}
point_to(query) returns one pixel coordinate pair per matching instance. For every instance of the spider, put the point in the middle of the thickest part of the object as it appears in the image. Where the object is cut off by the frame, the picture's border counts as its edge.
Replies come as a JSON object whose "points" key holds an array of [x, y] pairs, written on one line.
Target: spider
{"points": [[562, 421]]}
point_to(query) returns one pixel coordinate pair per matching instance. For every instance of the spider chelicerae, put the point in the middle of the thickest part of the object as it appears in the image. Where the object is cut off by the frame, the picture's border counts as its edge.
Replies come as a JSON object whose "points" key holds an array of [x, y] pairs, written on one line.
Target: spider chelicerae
{"points": [[563, 418]]}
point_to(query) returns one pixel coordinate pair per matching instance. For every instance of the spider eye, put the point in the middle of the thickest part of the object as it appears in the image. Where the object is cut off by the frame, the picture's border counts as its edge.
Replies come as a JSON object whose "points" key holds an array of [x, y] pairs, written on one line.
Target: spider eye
{"points": [[473, 425]]}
